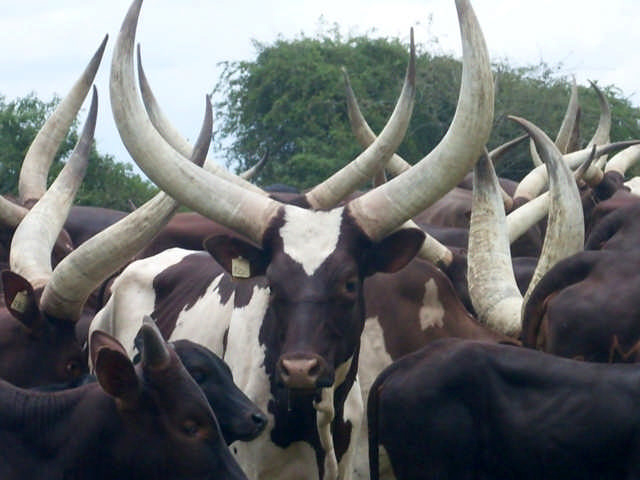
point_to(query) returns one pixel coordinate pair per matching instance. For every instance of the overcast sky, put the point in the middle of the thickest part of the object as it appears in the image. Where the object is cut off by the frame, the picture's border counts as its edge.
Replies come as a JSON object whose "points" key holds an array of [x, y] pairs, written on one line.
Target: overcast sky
{"points": [[46, 44]]}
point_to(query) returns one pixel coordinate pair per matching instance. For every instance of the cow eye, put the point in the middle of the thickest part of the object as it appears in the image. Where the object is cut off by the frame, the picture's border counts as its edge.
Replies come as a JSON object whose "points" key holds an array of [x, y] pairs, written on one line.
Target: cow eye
{"points": [[198, 375], [351, 285], [190, 428], [73, 368]]}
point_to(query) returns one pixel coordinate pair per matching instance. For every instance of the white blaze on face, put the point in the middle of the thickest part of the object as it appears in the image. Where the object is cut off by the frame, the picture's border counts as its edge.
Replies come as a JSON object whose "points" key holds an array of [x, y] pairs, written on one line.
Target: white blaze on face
{"points": [[309, 237], [431, 312]]}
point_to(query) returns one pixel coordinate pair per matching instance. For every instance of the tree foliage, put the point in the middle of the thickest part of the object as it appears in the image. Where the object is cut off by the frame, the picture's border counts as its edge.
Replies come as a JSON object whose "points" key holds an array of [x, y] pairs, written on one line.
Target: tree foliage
{"points": [[290, 101], [107, 183]]}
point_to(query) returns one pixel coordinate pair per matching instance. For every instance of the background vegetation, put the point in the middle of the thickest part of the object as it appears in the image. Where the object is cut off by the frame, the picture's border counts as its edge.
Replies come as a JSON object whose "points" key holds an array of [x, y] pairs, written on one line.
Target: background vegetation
{"points": [[290, 102]]}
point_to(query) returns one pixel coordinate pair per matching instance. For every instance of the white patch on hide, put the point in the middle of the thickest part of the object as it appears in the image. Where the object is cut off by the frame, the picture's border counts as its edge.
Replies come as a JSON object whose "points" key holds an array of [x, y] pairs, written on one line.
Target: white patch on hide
{"points": [[206, 321], [373, 359], [261, 459], [309, 237], [432, 311], [133, 297], [325, 413]]}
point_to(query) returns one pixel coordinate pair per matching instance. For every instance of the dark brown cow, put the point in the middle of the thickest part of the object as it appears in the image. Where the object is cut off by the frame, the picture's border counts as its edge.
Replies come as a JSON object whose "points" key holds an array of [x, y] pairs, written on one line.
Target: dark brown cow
{"points": [[619, 227], [238, 417], [465, 409], [587, 307], [142, 423], [36, 347]]}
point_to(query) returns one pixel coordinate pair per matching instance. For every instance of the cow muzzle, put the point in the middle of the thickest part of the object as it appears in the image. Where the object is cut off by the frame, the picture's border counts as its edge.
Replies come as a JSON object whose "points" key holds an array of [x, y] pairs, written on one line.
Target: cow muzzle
{"points": [[304, 372]]}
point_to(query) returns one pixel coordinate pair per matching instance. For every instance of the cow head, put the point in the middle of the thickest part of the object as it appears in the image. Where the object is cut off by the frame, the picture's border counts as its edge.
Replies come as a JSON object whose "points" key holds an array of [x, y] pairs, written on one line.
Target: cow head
{"points": [[239, 418], [160, 397], [35, 348], [314, 267]]}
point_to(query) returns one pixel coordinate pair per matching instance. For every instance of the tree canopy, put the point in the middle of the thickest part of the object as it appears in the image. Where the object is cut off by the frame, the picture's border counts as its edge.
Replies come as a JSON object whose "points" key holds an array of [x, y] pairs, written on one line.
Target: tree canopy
{"points": [[107, 182], [290, 101]]}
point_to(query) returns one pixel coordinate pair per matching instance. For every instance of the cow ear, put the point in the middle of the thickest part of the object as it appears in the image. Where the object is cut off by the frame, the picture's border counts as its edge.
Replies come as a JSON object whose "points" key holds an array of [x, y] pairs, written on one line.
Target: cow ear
{"points": [[238, 257], [114, 371], [394, 251], [20, 299]]}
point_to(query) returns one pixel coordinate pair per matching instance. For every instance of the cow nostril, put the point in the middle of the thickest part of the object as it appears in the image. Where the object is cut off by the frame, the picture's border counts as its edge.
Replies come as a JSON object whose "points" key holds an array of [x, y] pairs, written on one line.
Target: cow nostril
{"points": [[314, 371], [258, 419]]}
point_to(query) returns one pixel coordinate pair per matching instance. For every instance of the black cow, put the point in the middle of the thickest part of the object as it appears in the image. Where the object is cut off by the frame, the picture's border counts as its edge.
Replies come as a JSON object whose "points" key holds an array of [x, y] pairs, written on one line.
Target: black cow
{"points": [[471, 410]]}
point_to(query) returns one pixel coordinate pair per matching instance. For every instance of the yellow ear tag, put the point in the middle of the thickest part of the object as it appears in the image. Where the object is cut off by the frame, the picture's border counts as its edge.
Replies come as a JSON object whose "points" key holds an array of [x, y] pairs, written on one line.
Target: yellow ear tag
{"points": [[240, 268], [20, 301]]}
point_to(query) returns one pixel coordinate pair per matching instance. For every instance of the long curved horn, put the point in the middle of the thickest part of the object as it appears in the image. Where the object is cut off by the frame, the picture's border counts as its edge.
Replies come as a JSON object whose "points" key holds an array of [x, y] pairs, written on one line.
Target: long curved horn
{"points": [[565, 227], [536, 180], [492, 285], [623, 160], [359, 171], [565, 133], [497, 302], [33, 240], [362, 131], [380, 211], [82, 271], [32, 182], [238, 208], [602, 134], [11, 214], [175, 139], [528, 214]]}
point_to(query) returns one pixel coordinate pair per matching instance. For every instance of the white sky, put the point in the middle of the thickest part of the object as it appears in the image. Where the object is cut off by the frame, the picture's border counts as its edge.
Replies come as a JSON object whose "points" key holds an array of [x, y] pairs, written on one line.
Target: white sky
{"points": [[46, 44]]}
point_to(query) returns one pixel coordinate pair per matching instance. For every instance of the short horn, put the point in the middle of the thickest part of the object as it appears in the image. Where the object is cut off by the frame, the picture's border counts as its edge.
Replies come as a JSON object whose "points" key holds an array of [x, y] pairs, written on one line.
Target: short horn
{"points": [[154, 352], [251, 173], [32, 182]]}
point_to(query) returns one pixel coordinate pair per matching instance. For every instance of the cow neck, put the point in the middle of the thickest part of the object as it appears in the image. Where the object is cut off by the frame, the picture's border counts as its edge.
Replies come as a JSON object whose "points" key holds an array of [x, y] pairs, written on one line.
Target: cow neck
{"points": [[51, 424]]}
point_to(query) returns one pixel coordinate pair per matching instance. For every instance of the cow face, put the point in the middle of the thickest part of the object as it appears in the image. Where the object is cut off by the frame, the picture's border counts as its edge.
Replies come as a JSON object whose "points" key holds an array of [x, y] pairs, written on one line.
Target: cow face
{"points": [[165, 414], [239, 417], [314, 264], [35, 349]]}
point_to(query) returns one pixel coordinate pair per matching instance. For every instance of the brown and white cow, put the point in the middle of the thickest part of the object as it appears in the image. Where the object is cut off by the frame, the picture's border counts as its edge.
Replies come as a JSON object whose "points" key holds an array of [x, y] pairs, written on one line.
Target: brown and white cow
{"points": [[291, 331], [137, 423]]}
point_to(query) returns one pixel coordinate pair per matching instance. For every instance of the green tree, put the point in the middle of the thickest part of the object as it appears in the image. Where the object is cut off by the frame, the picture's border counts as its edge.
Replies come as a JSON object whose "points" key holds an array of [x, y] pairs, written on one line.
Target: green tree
{"points": [[290, 101], [107, 183]]}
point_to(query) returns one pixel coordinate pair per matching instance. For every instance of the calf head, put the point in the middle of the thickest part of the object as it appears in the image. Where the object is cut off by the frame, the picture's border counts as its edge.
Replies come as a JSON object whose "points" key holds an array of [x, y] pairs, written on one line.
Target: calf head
{"points": [[169, 429], [314, 264], [35, 348], [239, 417]]}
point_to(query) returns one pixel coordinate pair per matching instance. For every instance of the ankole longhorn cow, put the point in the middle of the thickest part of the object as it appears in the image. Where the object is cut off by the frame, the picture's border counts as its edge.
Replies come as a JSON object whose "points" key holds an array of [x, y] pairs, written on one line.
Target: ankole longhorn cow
{"points": [[291, 330]]}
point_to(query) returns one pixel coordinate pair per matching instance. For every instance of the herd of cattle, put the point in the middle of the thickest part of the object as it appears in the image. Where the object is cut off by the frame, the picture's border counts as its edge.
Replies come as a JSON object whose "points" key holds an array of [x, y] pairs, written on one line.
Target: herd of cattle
{"points": [[445, 324]]}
